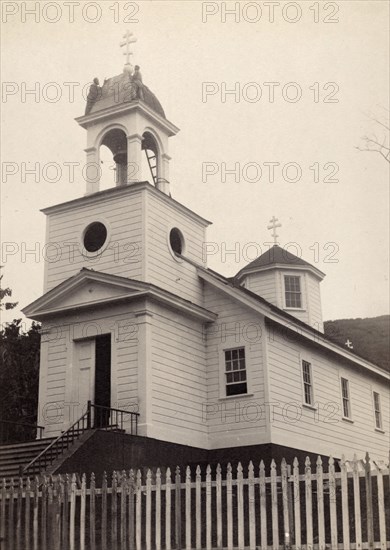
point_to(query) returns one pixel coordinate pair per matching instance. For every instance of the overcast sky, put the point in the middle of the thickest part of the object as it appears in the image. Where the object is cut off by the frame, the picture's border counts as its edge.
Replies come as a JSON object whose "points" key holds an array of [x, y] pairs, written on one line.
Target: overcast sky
{"points": [[330, 77]]}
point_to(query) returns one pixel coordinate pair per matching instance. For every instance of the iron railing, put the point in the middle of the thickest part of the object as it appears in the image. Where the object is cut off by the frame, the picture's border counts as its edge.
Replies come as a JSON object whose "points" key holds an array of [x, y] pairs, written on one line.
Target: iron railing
{"points": [[19, 432], [108, 418], [96, 417], [59, 445]]}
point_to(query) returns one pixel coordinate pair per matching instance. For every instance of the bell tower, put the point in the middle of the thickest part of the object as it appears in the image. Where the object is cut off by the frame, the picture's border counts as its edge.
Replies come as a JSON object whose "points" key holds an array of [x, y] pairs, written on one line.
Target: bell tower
{"points": [[126, 116], [135, 229]]}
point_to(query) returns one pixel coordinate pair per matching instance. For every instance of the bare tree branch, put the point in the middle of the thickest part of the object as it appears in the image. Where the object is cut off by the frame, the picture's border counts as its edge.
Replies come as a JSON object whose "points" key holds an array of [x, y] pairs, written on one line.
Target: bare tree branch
{"points": [[372, 144]]}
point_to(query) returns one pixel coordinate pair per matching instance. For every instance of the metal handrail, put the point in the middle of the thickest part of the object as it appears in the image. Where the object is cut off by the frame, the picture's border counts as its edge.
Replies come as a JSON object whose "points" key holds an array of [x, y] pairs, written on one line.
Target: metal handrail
{"points": [[66, 439], [103, 415], [100, 419]]}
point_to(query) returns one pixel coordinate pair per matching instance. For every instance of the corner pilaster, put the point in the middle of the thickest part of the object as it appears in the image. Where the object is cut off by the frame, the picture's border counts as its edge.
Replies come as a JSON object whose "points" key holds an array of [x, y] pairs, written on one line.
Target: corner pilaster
{"points": [[144, 322]]}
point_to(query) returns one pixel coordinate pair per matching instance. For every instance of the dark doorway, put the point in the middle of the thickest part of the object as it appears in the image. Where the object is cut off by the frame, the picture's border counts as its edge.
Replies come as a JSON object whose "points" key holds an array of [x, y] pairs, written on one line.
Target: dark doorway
{"points": [[102, 381]]}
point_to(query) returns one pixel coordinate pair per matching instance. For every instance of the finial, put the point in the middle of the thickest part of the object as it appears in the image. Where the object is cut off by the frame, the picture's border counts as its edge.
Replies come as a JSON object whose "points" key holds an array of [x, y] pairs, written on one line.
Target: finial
{"points": [[129, 38], [273, 225]]}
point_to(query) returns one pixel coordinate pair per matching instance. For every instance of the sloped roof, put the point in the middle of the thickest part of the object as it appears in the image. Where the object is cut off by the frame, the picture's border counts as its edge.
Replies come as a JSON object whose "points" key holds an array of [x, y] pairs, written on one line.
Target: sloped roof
{"points": [[318, 338], [278, 257], [105, 288], [117, 90]]}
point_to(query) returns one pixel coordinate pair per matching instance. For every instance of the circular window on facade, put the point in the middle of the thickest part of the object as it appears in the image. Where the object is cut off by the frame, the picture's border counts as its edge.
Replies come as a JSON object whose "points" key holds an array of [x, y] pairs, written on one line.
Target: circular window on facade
{"points": [[176, 241], [95, 236]]}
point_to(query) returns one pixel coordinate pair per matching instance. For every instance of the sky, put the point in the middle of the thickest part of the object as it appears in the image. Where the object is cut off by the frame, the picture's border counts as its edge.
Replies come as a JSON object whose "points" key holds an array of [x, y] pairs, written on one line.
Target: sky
{"points": [[294, 90]]}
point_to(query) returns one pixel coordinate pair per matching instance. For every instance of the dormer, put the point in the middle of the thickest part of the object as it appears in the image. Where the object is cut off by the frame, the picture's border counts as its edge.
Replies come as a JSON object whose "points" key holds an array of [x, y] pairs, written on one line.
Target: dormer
{"points": [[288, 282]]}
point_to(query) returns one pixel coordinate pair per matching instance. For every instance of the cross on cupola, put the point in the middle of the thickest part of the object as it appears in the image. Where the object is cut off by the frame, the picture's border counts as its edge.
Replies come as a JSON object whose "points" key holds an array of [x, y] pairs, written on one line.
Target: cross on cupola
{"points": [[273, 225], [129, 38]]}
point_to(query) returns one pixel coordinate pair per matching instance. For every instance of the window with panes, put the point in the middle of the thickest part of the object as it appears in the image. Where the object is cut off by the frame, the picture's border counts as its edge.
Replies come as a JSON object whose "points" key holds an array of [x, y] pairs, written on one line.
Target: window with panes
{"points": [[292, 289], [345, 398], [235, 371], [307, 383]]}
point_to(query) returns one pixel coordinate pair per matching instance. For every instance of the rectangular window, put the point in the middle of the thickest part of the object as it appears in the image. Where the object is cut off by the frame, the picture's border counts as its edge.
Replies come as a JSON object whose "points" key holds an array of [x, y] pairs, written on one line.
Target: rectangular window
{"points": [[307, 383], [377, 410], [235, 371], [292, 288], [345, 398]]}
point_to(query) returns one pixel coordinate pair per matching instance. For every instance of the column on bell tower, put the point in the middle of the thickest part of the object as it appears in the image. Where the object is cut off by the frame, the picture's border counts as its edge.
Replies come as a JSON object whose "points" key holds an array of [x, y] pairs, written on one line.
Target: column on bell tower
{"points": [[134, 158], [92, 170], [126, 116]]}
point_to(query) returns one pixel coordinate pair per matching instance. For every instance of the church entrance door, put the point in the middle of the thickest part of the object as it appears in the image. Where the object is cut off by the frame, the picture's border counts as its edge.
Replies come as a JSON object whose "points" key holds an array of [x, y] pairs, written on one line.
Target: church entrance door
{"points": [[102, 395]]}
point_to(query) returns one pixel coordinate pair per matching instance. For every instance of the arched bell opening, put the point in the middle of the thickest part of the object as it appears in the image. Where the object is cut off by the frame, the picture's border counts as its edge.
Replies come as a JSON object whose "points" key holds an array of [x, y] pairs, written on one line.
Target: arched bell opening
{"points": [[116, 141], [151, 160]]}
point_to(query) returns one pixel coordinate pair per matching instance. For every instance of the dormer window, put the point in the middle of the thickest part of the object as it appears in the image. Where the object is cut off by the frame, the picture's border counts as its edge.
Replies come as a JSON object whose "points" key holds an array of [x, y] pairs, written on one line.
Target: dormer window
{"points": [[292, 290]]}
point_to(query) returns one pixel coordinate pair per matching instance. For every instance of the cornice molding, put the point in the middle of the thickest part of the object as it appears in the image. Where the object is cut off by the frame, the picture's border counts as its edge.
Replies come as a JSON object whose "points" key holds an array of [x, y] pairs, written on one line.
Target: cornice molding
{"points": [[133, 290], [128, 107], [121, 191]]}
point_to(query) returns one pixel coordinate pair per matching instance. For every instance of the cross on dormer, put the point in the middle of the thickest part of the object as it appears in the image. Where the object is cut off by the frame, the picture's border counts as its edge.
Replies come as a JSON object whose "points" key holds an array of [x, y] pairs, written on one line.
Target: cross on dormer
{"points": [[129, 39], [273, 225], [349, 344]]}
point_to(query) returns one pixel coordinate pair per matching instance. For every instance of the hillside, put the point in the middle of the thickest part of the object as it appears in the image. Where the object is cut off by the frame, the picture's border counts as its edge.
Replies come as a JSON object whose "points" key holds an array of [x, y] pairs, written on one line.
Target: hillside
{"points": [[370, 337]]}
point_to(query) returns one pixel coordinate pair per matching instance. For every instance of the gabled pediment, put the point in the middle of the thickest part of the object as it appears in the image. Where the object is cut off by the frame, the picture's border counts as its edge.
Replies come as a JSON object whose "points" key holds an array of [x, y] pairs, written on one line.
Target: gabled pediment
{"points": [[96, 289], [86, 289]]}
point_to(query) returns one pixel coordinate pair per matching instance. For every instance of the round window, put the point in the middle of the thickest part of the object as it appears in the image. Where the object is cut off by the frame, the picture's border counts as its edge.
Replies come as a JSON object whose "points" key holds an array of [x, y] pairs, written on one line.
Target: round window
{"points": [[95, 236], [176, 240]]}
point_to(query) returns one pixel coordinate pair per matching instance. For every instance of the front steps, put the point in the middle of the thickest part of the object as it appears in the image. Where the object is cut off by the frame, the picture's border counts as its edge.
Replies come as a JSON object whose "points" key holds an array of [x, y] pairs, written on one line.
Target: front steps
{"points": [[17, 455]]}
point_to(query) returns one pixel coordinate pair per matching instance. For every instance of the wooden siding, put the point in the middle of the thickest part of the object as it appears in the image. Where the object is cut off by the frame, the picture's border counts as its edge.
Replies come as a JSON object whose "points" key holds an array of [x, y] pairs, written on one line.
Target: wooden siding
{"points": [[123, 254], [322, 429], [311, 314], [162, 269], [234, 421], [263, 284], [314, 301], [178, 378], [57, 391]]}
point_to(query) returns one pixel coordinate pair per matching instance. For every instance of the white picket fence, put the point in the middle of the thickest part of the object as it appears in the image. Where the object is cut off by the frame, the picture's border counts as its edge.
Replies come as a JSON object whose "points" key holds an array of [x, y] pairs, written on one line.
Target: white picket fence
{"points": [[344, 506]]}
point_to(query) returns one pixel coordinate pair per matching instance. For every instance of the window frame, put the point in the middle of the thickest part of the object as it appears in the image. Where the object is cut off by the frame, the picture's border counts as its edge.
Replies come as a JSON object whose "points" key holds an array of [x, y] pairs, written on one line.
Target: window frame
{"points": [[177, 257], [307, 360], [87, 223], [301, 279], [226, 372], [379, 411], [348, 417]]}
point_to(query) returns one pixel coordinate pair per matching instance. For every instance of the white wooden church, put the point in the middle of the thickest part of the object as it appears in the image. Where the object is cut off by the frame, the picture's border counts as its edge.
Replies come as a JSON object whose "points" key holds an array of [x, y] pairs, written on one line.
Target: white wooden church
{"points": [[133, 319]]}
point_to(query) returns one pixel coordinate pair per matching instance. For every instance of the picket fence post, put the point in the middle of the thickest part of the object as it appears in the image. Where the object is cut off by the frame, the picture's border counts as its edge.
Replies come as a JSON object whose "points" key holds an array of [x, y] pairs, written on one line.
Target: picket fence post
{"points": [[51, 512]]}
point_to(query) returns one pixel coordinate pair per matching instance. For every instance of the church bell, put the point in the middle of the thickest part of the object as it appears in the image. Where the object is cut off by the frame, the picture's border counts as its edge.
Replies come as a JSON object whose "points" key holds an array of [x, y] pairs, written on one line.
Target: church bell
{"points": [[121, 157]]}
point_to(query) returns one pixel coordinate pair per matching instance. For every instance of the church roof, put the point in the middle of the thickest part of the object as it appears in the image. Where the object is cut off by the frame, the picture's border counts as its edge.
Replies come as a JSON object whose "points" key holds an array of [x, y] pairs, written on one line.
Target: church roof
{"points": [[274, 314], [278, 257], [117, 90]]}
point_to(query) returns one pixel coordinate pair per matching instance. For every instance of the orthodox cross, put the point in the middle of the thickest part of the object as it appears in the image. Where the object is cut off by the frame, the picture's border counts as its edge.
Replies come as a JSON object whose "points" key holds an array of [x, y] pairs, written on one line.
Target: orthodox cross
{"points": [[129, 39], [349, 344], [273, 225]]}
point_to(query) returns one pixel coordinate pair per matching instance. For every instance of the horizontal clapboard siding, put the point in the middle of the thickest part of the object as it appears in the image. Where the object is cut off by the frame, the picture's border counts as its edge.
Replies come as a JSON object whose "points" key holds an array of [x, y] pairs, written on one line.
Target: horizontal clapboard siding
{"points": [[263, 284], [122, 256], [234, 421], [57, 361], [52, 382], [162, 268], [178, 377], [314, 300], [322, 429]]}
